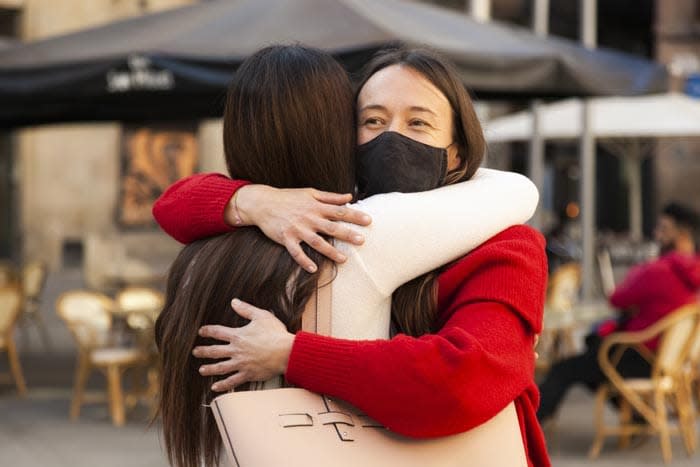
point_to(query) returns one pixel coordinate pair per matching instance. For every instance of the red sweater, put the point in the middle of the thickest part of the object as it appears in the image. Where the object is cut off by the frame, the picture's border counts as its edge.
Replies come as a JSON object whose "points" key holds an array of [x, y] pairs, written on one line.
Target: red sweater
{"points": [[193, 207], [656, 288], [490, 306]]}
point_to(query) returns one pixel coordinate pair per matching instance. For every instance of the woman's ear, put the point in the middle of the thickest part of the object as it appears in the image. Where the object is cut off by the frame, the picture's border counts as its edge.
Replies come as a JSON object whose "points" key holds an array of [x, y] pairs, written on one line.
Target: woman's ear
{"points": [[454, 158]]}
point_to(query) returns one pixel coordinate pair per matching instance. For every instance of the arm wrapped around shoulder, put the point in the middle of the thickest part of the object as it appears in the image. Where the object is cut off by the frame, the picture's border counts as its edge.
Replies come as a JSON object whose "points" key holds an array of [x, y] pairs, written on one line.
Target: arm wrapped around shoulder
{"points": [[193, 208], [480, 360]]}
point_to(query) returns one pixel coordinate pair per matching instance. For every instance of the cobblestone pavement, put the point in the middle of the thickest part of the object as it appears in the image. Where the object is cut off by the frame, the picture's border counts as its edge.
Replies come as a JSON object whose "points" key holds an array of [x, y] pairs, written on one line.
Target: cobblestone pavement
{"points": [[35, 431]]}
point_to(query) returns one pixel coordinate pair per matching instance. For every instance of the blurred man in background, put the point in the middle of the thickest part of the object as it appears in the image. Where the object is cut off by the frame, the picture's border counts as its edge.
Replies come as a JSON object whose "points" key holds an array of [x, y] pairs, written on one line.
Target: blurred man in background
{"points": [[647, 294]]}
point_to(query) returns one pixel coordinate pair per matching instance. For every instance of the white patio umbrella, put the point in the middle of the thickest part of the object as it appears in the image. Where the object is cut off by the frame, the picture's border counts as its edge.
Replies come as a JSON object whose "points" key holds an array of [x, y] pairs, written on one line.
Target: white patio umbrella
{"points": [[623, 124], [617, 122], [653, 116]]}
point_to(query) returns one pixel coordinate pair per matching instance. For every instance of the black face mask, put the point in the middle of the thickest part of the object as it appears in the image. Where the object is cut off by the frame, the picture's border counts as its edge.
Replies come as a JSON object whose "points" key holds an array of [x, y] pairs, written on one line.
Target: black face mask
{"points": [[394, 162]]}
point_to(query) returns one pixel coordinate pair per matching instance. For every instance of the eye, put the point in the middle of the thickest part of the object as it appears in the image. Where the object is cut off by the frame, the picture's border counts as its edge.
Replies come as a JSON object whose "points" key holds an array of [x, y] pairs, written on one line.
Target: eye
{"points": [[372, 121], [419, 123]]}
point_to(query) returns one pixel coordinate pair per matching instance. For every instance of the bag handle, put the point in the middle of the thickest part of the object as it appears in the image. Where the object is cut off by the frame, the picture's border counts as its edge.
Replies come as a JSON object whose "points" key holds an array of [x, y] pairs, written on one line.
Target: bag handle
{"points": [[317, 313]]}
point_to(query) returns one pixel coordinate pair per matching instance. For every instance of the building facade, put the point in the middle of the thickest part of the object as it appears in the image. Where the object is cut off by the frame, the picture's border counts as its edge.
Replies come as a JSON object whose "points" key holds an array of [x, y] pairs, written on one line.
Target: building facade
{"points": [[677, 162], [78, 194]]}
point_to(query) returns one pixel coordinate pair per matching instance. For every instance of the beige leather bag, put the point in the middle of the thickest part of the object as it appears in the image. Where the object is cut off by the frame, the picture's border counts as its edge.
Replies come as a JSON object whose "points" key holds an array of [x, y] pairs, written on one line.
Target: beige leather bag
{"points": [[293, 427]]}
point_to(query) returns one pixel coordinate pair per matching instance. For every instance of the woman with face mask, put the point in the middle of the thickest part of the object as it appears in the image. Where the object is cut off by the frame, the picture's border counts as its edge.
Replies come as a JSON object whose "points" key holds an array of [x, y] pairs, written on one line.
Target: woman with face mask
{"points": [[417, 131]]}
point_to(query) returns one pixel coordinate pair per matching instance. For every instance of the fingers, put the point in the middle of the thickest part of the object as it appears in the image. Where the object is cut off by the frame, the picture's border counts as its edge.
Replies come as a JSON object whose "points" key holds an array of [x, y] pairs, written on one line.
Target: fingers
{"points": [[212, 351], [299, 256], [340, 232], [346, 214], [229, 383], [320, 244], [247, 311], [534, 346], [219, 368], [332, 198], [216, 331], [338, 212]]}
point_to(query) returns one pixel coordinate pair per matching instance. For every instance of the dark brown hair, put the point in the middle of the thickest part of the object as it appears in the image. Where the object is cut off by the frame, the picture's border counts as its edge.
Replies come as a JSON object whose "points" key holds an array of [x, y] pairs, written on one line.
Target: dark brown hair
{"points": [[414, 304], [686, 219], [288, 123], [288, 108]]}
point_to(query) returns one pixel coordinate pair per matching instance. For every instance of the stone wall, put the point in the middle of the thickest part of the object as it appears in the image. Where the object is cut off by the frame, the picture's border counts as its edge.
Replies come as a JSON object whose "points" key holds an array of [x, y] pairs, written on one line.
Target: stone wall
{"points": [[69, 179]]}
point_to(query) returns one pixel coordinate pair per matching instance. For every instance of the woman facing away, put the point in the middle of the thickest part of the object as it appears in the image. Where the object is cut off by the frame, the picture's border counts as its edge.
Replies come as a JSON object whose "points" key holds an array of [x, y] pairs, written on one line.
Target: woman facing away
{"points": [[473, 332]]}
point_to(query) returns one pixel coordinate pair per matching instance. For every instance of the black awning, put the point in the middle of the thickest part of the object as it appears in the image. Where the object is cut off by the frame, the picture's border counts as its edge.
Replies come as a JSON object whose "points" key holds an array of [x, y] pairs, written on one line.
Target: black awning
{"points": [[176, 64]]}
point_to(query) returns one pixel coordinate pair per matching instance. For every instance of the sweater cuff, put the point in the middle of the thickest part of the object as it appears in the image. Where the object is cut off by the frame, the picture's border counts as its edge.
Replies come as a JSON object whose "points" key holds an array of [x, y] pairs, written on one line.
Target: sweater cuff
{"points": [[208, 208], [320, 363]]}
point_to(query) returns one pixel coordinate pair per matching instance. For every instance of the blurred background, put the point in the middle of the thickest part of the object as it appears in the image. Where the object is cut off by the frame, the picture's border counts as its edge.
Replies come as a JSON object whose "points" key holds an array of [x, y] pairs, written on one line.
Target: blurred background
{"points": [[79, 175]]}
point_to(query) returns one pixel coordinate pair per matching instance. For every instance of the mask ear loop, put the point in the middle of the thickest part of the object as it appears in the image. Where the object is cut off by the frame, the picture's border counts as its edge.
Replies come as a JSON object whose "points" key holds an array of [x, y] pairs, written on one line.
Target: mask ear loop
{"points": [[446, 163]]}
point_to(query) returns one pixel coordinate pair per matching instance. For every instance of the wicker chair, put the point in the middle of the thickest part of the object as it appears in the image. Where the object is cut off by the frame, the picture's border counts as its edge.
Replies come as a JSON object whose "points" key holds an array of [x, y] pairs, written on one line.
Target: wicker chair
{"points": [[144, 300], [141, 307], [691, 374], [8, 273], [88, 316], [33, 281], [10, 307], [556, 341], [650, 397]]}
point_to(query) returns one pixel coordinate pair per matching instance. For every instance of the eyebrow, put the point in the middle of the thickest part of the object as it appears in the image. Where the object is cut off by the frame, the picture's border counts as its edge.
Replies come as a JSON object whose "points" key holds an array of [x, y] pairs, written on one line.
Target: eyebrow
{"points": [[373, 107], [414, 108]]}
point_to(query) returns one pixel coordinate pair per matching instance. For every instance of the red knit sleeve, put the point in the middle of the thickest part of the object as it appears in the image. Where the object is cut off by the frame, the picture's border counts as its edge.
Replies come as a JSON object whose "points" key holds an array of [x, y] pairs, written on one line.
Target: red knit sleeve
{"points": [[639, 283], [454, 380], [193, 207]]}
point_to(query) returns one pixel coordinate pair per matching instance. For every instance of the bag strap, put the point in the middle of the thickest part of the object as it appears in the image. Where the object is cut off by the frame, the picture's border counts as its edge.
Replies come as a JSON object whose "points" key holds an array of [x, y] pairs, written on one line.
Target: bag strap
{"points": [[317, 313], [316, 317]]}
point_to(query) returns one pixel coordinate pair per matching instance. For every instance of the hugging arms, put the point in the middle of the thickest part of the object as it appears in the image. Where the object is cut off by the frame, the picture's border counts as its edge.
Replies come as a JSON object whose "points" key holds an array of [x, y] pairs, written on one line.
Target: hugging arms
{"points": [[479, 355], [465, 330]]}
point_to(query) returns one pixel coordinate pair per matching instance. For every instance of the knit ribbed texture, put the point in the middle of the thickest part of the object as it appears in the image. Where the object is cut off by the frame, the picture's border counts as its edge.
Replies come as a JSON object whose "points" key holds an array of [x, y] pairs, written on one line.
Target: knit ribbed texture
{"points": [[411, 234], [315, 360], [491, 304], [655, 289], [206, 196]]}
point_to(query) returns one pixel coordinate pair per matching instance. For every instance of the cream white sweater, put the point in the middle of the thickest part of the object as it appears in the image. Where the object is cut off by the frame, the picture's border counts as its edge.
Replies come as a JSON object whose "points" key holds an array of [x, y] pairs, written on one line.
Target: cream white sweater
{"points": [[414, 233]]}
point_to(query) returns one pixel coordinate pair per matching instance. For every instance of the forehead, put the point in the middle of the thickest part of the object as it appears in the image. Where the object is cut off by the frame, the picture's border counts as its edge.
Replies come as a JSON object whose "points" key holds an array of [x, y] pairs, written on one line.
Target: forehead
{"points": [[399, 86]]}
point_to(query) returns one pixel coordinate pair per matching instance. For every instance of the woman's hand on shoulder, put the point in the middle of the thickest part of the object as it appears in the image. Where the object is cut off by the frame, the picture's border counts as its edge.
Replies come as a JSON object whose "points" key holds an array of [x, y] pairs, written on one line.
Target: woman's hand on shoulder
{"points": [[292, 216], [257, 351]]}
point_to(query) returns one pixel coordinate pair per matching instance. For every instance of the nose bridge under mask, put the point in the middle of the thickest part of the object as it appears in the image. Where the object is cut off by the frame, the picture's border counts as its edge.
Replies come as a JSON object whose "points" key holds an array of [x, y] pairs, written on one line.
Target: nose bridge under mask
{"points": [[394, 162]]}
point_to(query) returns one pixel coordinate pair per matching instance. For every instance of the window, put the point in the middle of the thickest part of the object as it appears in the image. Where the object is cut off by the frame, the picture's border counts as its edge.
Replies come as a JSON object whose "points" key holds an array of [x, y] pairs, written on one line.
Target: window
{"points": [[9, 23]]}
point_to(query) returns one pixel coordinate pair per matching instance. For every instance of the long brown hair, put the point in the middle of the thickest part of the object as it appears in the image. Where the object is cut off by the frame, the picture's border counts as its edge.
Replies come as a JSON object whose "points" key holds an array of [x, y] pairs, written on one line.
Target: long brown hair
{"points": [[288, 123], [414, 304]]}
